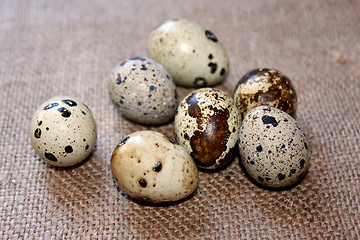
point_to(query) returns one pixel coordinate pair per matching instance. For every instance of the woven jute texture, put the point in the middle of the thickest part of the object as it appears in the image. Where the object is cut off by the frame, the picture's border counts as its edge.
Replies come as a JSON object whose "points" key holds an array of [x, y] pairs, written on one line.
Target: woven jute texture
{"points": [[50, 48]]}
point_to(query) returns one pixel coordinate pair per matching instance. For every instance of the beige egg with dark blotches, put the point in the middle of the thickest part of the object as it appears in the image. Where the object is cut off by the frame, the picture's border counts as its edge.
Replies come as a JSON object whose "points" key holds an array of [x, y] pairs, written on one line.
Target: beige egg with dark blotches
{"points": [[149, 166], [207, 124], [192, 55], [273, 148], [63, 131], [265, 87]]}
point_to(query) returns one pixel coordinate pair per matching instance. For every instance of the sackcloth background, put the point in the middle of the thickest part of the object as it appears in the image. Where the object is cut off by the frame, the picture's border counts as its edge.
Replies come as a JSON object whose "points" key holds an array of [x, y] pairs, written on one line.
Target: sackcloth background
{"points": [[50, 48]]}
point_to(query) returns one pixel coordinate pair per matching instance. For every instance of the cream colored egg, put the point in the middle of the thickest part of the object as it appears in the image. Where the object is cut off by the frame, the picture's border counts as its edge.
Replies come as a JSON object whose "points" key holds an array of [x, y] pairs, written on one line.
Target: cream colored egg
{"points": [[143, 91], [207, 124], [149, 166], [273, 148], [63, 131], [192, 54]]}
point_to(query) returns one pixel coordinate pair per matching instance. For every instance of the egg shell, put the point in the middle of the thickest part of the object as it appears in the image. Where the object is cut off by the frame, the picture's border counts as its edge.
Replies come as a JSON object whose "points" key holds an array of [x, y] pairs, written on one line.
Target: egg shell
{"points": [[192, 54], [143, 91], [207, 124], [63, 131], [268, 87], [149, 166], [273, 148]]}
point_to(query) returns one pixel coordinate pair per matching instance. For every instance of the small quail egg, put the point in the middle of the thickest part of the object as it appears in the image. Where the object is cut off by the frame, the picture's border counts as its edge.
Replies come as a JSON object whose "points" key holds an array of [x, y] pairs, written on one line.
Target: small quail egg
{"points": [[267, 87], [63, 131], [207, 124], [192, 55], [149, 166], [143, 91], [273, 148]]}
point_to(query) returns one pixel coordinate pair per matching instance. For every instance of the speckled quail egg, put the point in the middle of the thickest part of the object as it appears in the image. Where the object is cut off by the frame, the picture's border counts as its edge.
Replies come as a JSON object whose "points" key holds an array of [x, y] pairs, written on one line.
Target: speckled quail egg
{"points": [[207, 124], [143, 91], [149, 166], [273, 148], [63, 131], [267, 87], [192, 54]]}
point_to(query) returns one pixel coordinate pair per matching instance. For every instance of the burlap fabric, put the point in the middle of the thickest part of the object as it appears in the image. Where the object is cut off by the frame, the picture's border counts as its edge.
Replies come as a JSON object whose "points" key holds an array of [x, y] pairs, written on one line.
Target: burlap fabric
{"points": [[48, 48]]}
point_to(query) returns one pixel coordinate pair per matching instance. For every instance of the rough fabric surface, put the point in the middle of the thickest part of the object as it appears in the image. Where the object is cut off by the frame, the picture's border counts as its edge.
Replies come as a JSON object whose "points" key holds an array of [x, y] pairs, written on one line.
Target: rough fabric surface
{"points": [[49, 48]]}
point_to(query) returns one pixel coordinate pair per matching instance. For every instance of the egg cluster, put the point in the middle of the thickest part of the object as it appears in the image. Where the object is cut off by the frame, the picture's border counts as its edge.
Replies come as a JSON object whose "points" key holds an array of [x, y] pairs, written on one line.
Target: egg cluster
{"points": [[210, 125]]}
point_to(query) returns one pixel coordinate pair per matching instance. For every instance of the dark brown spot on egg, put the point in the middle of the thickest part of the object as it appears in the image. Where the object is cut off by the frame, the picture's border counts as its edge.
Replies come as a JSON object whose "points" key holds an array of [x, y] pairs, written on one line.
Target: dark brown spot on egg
{"points": [[193, 108], [209, 144], [186, 136]]}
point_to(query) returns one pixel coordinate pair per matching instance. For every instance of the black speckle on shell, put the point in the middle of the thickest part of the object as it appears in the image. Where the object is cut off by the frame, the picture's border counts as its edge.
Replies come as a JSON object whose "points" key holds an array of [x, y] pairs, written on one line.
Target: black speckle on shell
{"points": [[69, 102], [68, 149], [157, 167], [51, 105], [123, 141], [143, 183], [64, 112], [211, 36], [51, 157], [37, 133], [281, 176], [266, 119]]}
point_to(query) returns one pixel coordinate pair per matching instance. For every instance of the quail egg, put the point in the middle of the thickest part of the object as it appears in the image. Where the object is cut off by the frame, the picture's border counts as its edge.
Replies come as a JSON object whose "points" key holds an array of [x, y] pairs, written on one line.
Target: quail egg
{"points": [[63, 131], [267, 87], [207, 124], [192, 54], [149, 166], [273, 148], [143, 91]]}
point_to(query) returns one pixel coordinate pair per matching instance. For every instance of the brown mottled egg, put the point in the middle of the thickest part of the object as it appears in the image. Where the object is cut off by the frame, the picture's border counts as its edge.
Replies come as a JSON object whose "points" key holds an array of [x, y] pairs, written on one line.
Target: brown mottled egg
{"points": [[192, 54], [149, 166], [143, 91], [207, 124], [267, 87], [273, 148], [63, 131]]}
